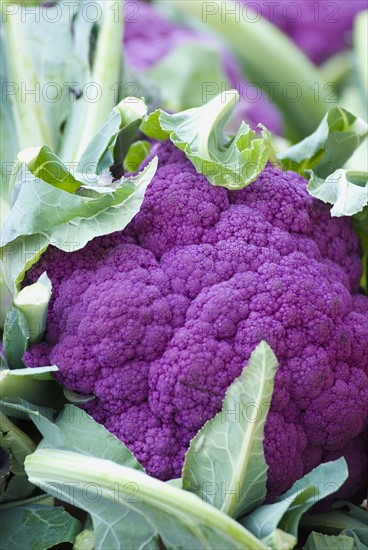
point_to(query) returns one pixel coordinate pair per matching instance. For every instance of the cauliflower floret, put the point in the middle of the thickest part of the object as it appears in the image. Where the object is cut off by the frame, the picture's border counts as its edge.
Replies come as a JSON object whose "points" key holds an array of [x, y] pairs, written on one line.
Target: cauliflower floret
{"points": [[158, 320]]}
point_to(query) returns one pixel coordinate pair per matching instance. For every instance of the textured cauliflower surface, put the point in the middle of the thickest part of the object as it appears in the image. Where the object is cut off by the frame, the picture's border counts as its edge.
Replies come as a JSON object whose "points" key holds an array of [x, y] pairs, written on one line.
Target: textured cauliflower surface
{"points": [[158, 320]]}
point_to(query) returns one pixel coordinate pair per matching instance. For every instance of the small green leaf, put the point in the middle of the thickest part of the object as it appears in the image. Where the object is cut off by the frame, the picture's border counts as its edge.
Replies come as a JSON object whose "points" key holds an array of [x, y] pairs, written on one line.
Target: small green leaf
{"points": [[138, 151], [231, 162], [151, 126], [119, 131], [85, 540], [288, 508], [279, 540], [345, 189], [36, 527], [337, 137], [225, 464], [47, 166], [317, 541]]}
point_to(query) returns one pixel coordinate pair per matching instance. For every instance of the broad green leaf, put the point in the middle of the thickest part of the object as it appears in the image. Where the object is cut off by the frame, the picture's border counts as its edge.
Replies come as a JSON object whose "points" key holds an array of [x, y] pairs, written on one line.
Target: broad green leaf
{"points": [[288, 508], [32, 384], [15, 337], [69, 432], [36, 527], [200, 74], [130, 509], [225, 464], [317, 541], [345, 189], [68, 221], [231, 162], [138, 151], [337, 137]]}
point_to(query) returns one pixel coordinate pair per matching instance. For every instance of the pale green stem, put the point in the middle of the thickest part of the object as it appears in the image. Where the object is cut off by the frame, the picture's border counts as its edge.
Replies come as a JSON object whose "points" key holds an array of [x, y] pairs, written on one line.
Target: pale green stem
{"points": [[106, 72], [270, 58], [48, 466], [360, 45], [337, 68], [31, 122], [33, 301]]}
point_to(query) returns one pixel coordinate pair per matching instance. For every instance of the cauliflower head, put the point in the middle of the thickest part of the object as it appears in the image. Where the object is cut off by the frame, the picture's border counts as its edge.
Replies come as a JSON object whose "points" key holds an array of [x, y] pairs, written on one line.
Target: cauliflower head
{"points": [[156, 321]]}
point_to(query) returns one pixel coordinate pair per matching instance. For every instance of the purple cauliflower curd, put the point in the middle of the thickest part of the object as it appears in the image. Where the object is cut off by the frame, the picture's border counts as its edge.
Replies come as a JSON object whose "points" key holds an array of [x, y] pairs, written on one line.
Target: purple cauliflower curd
{"points": [[158, 320]]}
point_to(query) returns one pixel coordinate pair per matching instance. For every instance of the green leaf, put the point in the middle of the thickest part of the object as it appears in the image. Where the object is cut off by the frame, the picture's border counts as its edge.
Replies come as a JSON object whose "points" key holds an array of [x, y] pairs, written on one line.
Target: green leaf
{"points": [[118, 132], [19, 255], [18, 488], [231, 162], [289, 507], [225, 464], [16, 441], [337, 521], [138, 151], [130, 509], [345, 189], [32, 301], [32, 384], [36, 527], [15, 337], [85, 540], [47, 166], [279, 540], [151, 126], [68, 221], [337, 137], [69, 431], [317, 541], [200, 74], [359, 537]]}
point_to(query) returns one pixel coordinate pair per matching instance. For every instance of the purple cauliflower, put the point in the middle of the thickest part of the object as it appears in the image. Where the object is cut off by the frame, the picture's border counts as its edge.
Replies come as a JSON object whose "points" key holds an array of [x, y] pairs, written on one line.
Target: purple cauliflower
{"points": [[149, 37], [320, 28], [158, 320]]}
